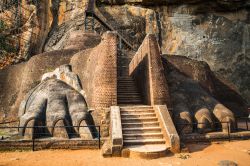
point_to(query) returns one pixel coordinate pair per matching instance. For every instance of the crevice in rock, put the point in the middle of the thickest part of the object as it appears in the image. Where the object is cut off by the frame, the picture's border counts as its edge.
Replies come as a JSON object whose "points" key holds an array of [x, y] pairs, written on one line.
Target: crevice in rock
{"points": [[54, 10], [159, 25]]}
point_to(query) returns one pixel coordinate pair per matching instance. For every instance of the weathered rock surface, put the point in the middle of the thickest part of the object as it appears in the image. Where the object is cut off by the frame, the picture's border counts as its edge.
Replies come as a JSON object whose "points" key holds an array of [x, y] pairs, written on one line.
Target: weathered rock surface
{"points": [[210, 31], [220, 39], [216, 32], [13, 89], [223, 4], [213, 32]]}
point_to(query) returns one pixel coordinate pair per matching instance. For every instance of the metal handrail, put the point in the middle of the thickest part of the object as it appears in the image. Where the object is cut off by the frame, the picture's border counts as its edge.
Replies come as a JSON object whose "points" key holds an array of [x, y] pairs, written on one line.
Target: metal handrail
{"points": [[43, 127], [89, 11], [194, 125]]}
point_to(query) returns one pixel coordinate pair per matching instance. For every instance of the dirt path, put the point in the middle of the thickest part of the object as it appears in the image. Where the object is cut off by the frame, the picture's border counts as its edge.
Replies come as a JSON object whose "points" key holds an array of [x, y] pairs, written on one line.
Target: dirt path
{"points": [[200, 154]]}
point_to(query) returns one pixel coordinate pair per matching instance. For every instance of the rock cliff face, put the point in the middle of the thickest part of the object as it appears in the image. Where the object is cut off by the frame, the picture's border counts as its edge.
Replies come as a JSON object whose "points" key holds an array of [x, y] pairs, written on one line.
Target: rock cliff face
{"points": [[215, 31], [221, 39]]}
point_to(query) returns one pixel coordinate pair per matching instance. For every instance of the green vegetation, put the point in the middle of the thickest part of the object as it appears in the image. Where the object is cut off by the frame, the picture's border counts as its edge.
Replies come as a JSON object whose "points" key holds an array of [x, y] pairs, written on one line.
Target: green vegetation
{"points": [[2, 25], [5, 46], [2, 133]]}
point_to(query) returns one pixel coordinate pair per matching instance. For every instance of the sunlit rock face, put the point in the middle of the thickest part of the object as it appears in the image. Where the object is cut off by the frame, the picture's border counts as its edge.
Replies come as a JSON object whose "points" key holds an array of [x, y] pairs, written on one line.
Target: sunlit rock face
{"points": [[226, 4], [216, 31], [221, 39], [68, 16]]}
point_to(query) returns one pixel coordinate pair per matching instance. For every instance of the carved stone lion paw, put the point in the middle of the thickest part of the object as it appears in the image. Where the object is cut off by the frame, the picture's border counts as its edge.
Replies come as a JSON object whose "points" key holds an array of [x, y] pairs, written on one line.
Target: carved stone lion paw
{"points": [[55, 105], [192, 104]]}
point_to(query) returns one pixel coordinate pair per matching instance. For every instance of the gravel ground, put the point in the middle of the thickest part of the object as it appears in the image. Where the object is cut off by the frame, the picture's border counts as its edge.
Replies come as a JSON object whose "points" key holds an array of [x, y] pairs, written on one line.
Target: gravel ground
{"points": [[201, 154]]}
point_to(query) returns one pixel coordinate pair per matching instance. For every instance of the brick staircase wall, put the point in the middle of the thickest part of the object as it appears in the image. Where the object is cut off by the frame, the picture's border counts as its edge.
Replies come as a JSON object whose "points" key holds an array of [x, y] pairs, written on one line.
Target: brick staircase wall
{"points": [[97, 70], [147, 70], [102, 73]]}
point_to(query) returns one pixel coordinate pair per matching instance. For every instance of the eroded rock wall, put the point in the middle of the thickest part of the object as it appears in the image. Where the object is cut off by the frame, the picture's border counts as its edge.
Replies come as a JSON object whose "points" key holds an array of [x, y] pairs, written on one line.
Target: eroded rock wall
{"points": [[219, 38], [17, 80], [216, 32]]}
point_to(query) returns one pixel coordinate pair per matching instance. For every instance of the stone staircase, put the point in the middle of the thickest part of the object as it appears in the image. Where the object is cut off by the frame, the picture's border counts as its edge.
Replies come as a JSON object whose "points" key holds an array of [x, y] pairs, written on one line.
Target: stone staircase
{"points": [[142, 134], [127, 91]]}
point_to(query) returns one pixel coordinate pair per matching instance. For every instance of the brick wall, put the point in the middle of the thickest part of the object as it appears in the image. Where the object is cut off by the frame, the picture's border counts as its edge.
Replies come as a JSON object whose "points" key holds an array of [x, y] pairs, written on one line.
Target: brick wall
{"points": [[97, 70], [147, 70], [49, 144], [102, 73]]}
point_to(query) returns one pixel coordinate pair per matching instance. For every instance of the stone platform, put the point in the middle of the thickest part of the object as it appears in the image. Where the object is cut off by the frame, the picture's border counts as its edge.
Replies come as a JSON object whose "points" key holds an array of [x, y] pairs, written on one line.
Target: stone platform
{"points": [[145, 151], [215, 136]]}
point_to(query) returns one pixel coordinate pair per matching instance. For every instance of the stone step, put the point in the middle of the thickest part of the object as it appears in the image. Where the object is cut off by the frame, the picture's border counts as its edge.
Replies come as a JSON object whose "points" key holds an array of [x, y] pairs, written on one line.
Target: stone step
{"points": [[133, 100], [124, 78], [126, 82], [143, 142], [120, 86], [127, 99], [136, 115], [145, 124], [132, 86], [125, 87], [137, 110], [127, 90], [126, 95], [139, 107], [146, 151], [129, 93], [141, 130], [139, 120], [123, 71], [123, 82], [143, 136], [122, 91], [122, 101]]}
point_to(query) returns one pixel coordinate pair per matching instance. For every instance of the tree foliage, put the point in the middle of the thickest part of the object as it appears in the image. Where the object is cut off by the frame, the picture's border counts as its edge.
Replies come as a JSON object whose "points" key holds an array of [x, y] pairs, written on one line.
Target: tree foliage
{"points": [[5, 45]]}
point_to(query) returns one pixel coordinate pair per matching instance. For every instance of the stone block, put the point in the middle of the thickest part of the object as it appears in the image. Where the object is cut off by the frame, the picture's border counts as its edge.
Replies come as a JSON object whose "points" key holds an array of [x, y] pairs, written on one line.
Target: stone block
{"points": [[168, 127], [116, 127], [116, 150]]}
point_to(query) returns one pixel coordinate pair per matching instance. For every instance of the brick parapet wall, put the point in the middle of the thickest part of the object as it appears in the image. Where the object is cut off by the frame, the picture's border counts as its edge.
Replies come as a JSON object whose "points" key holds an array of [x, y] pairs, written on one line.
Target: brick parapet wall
{"points": [[98, 74], [147, 69], [103, 73], [105, 92]]}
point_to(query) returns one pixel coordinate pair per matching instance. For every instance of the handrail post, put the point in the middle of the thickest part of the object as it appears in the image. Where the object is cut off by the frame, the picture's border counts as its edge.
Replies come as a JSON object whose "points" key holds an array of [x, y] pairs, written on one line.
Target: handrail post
{"points": [[33, 139], [228, 131], [93, 22], [236, 124], [247, 123], [120, 43], [99, 136]]}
